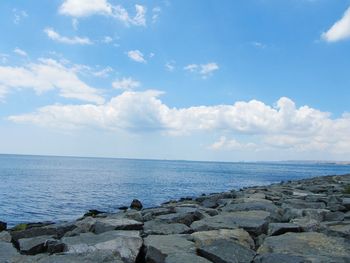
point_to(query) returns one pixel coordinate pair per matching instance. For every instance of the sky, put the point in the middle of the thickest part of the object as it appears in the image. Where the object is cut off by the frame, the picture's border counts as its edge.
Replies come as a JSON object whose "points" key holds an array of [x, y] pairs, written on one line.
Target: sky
{"points": [[244, 80]]}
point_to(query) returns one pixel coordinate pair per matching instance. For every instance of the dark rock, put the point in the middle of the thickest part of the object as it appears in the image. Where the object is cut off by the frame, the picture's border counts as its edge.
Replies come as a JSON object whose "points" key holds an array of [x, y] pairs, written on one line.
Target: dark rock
{"points": [[279, 258], [276, 229], [124, 208], [93, 213], [33, 245], [3, 226], [334, 216], [54, 246], [346, 203], [223, 251], [183, 215], [136, 204]]}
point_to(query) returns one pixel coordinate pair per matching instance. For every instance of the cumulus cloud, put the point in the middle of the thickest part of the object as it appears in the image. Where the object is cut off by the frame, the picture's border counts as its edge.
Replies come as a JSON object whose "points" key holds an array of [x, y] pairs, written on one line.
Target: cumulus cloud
{"points": [[52, 34], [20, 52], [103, 72], [282, 125], [170, 66], [136, 55], [84, 8], [46, 75], [126, 84], [340, 30], [155, 14], [18, 15], [204, 70]]}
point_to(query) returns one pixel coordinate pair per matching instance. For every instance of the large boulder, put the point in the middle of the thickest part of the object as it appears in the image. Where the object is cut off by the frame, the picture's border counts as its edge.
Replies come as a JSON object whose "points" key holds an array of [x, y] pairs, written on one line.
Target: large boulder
{"points": [[155, 227], [33, 245], [276, 229], [5, 236], [255, 222], [108, 224], [121, 245], [239, 235], [225, 251], [7, 252], [309, 244], [182, 215], [159, 247]]}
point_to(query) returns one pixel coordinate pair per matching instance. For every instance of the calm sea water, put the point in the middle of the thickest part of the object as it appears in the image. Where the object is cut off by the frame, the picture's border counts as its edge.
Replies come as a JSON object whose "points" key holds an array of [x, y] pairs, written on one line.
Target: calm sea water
{"points": [[40, 188]]}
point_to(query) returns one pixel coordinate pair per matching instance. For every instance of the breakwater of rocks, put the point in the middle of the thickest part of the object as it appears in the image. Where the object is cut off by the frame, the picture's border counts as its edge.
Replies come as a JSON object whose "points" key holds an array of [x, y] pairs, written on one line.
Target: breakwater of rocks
{"points": [[299, 221]]}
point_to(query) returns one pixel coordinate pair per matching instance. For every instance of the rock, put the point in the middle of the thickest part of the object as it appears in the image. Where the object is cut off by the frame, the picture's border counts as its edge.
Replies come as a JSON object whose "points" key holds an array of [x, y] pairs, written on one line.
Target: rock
{"points": [[55, 230], [307, 224], [33, 245], [238, 235], [224, 251], [185, 258], [54, 246], [346, 203], [183, 215], [248, 206], [317, 214], [121, 245], [93, 213], [108, 224], [279, 258], [302, 204], [7, 252], [255, 222], [5, 236], [136, 204], [3, 226], [158, 247], [276, 229], [334, 216], [347, 216], [134, 215], [307, 244], [160, 228], [341, 229]]}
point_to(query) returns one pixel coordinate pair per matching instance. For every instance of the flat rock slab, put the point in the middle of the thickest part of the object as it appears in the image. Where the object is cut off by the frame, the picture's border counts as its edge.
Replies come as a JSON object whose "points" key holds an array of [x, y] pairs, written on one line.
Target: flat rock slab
{"points": [[33, 245], [224, 251], [279, 258], [7, 251], [107, 224], [239, 235], [124, 244], [276, 229], [255, 222], [306, 244], [158, 247], [183, 215], [185, 258], [302, 204], [160, 228]]}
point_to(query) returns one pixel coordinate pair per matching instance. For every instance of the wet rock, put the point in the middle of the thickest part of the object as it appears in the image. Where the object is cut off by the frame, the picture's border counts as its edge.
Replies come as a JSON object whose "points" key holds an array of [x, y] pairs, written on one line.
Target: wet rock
{"points": [[33, 245], [158, 247], [224, 251], [108, 224], [238, 235], [161, 228], [3, 226], [117, 245], [306, 244], [276, 229], [136, 204]]}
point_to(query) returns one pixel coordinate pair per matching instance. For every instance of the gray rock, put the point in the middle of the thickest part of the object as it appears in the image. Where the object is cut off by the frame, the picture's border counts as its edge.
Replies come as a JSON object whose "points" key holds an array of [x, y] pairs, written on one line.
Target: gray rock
{"points": [[346, 203], [7, 252], [185, 258], [276, 229], [160, 228], [123, 245], [33, 245], [5, 236], [248, 206], [183, 215], [223, 251], [238, 235], [306, 244], [307, 224], [109, 224], [279, 258], [54, 246], [302, 204], [341, 229], [255, 222], [317, 214], [334, 216], [158, 247]]}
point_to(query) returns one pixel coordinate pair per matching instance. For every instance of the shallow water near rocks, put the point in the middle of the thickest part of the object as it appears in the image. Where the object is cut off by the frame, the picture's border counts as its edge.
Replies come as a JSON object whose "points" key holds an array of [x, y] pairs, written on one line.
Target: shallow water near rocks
{"points": [[40, 188]]}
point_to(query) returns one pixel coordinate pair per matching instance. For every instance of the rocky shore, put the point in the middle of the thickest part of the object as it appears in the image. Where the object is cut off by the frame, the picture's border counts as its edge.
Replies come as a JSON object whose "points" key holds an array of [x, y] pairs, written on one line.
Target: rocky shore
{"points": [[299, 221]]}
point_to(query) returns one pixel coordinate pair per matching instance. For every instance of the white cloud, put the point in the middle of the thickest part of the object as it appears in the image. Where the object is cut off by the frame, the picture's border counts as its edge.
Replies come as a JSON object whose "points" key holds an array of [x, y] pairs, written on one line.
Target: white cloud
{"points": [[20, 52], [103, 72], [204, 70], [136, 55], [75, 23], [18, 15], [170, 66], [258, 44], [282, 126], [52, 34], [3, 58], [107, 40], [84, 8], [340, 30], [46, 75], [126, 84], [155, 14]]}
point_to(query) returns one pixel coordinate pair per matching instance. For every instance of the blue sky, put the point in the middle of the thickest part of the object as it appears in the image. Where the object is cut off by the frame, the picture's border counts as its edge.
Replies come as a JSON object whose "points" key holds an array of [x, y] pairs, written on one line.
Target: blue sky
{"points": [[194, 80]]}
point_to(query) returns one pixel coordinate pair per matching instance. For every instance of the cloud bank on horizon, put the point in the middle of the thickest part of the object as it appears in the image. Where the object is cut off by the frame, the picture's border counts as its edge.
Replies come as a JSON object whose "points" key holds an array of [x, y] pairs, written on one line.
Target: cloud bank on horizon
{"points": [[107, 73]]}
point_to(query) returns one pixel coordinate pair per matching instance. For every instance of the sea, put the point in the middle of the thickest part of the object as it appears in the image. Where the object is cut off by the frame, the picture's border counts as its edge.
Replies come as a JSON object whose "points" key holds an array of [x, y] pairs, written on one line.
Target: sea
{"points": [[49, 188]]}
